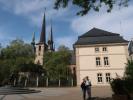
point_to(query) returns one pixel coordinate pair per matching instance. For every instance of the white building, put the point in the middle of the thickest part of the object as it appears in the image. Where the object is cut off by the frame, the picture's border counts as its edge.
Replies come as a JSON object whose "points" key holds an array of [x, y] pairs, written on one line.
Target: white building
{"points": [[101, 55]]}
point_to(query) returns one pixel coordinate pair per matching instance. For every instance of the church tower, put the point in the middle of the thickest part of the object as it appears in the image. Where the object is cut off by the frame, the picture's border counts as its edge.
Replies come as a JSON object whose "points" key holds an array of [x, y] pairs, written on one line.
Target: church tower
{"points": [[41, 47], [50, 40]]}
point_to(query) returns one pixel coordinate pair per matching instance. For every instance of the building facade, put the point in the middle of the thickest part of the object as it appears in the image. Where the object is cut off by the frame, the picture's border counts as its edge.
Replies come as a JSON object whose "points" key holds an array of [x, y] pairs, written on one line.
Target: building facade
{"points": [[101, 55]]}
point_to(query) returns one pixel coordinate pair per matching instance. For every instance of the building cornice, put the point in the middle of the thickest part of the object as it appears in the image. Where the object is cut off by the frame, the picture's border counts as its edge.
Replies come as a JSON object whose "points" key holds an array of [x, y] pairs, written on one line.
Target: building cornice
{"points": [[101, 69], [108, 44], [103, 54]]}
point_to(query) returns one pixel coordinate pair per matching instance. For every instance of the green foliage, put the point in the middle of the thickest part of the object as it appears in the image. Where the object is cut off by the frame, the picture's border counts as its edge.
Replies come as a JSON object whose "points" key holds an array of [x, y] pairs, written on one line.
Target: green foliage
{"points": [[31, 67], [129, 76], [15, 54], [87, 5], [125, 85], [56, 63], [129, 85], [129, 69], [118, 86], [63, 48], [4, 70], [17, 48]]}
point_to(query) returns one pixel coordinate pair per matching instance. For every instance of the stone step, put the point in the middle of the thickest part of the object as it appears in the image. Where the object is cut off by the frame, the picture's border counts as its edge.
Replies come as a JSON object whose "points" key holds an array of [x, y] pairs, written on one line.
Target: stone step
{"points": [[16, 90]]}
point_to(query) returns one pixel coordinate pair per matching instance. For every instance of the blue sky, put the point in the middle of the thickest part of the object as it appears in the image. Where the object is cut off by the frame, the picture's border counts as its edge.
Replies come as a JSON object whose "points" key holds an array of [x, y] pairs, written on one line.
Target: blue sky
{"points": [[20, 18]]}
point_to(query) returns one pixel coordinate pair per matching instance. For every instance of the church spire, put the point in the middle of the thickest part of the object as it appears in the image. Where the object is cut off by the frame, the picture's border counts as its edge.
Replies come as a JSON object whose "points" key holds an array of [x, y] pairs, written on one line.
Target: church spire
{"points": [[43, 32], [50, 40], [33, 37], [33, 41]]}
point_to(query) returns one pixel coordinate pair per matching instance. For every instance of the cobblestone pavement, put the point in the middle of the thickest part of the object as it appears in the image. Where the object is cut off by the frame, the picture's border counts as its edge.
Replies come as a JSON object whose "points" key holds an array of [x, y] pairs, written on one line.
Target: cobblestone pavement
{"points": [[98, 93]]}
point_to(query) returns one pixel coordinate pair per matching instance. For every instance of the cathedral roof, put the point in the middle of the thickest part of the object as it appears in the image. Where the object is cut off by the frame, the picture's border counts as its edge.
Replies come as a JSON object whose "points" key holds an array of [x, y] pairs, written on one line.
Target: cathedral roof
{"points": [[98, 36]]}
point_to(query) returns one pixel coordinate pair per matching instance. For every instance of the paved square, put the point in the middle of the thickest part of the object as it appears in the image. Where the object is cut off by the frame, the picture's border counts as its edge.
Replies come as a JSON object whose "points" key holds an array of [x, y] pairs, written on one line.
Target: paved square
{"points": [[74, 93]]}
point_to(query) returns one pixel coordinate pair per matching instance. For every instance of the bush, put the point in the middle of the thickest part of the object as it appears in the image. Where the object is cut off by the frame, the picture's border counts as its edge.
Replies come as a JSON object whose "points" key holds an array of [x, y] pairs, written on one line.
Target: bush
{"points": [[128, 83], [118, 86], [129, 76]]}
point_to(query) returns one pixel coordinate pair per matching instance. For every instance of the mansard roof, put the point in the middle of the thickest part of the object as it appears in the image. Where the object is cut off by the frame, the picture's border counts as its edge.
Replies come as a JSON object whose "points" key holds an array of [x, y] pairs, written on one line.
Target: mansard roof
{"points": [[98, 36], [95, 32]]}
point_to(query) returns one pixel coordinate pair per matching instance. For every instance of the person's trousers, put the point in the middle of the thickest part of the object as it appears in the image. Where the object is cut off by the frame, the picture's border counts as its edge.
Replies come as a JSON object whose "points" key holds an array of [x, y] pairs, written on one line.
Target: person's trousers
{"points": [[88, 90], [84, 94]]}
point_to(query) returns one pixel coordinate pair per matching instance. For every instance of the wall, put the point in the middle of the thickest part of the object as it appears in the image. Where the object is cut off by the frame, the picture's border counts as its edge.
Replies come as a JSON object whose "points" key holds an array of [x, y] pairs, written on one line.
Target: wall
{"points": [[39, 54]]}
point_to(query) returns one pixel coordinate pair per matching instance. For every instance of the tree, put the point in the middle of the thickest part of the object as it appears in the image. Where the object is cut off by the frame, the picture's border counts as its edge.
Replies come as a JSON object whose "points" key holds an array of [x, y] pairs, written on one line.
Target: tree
{"points": [[129, 69], [87, 5], [13, 56], [0, 48], [56, 63], [63, 48], [31, 69]]}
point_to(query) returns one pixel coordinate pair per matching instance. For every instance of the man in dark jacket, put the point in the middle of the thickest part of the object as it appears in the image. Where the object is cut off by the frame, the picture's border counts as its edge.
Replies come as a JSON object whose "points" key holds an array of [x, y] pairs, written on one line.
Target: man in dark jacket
{"points": [[83, 87]]}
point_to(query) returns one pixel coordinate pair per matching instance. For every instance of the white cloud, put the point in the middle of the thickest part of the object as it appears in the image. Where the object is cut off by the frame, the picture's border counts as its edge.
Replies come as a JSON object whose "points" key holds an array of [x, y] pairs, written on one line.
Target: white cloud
{"points": [[118, 21], [33, 10], [25, 6]]}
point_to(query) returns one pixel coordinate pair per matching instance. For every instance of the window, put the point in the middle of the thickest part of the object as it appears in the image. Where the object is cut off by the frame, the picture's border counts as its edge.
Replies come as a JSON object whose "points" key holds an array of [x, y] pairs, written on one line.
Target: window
{"points": [[96, 49], [39, 48], [106, 61], [107, 77], [99, 78], [98, 63], [104, 49]]}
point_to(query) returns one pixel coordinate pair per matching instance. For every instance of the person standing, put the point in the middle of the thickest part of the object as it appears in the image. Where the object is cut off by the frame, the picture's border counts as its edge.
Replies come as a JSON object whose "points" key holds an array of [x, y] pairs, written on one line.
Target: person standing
{"points": [[83, 87], [88, 87]]}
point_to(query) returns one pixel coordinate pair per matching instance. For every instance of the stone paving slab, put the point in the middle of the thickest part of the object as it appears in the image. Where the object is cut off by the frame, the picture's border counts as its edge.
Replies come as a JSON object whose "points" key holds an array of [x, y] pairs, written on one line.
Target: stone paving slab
{"points": [[62, 94]]}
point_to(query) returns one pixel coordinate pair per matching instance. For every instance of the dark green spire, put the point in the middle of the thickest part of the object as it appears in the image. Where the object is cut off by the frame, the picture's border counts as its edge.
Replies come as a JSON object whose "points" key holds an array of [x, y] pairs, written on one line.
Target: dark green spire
{"points": [[50, 39], [33, 41], [43, 32]]}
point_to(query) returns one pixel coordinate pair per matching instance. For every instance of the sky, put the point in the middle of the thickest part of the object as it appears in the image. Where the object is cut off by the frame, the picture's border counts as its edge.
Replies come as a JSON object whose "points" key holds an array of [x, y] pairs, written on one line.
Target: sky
{"points": [[20, 18]]}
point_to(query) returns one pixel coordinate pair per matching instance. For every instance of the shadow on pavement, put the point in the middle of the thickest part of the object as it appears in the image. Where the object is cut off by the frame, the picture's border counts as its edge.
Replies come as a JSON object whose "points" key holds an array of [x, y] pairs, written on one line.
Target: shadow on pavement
{"points": [[97, 98]]}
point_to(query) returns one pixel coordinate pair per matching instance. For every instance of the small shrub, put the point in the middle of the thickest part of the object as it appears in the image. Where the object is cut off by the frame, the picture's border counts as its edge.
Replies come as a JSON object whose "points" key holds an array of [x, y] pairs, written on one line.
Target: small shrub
{"points": [[118, 87], [128, 83]]}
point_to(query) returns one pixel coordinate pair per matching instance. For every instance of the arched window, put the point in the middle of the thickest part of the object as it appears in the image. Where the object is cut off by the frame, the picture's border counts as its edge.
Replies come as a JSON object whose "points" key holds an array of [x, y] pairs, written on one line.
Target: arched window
{"points": [[39, 48]]}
